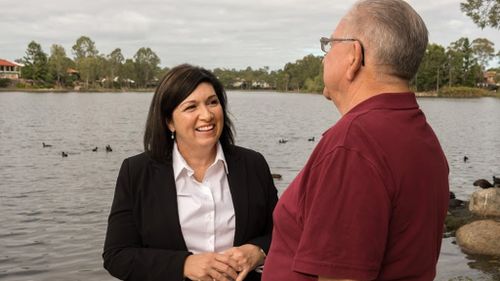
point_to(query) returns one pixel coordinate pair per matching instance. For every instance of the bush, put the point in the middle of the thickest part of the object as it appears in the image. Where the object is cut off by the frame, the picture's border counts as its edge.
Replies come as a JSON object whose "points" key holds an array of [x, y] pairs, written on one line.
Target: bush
{"points": [[4, 82], [462, 92], [21, 85]]}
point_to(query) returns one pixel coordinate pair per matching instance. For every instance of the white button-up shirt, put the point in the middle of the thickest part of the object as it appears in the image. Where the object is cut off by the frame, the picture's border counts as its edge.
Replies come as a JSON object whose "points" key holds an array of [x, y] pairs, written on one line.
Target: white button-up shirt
{"points": [[206, 211]]}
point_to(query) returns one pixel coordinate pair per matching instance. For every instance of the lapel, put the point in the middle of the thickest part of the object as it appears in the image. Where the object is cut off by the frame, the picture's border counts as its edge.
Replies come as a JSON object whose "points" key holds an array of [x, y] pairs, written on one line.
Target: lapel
{"points": [[165, 194], [239, 192]]}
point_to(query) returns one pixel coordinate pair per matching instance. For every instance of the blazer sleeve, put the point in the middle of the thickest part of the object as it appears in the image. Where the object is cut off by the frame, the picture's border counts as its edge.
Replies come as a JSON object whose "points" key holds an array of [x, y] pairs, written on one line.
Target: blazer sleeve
{"points": [[125, 256], [271, 196]]}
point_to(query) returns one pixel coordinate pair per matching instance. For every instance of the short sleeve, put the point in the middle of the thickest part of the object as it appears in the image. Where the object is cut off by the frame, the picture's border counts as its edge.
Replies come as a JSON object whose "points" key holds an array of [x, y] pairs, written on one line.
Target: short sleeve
{"points": [[346, 211]]}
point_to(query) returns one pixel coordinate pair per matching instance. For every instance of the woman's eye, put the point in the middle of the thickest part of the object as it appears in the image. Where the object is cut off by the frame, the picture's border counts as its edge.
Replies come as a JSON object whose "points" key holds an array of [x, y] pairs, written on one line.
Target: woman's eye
{"points": [[214, 102], [189, 107]]}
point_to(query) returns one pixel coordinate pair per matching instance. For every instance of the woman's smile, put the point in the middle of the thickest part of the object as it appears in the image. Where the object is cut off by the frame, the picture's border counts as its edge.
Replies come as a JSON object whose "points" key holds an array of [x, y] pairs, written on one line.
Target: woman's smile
{"points": [[205, 128]]}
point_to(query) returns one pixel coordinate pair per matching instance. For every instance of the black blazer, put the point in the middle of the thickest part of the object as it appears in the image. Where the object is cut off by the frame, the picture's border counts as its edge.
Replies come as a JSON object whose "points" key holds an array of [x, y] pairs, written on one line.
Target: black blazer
{"points": [[144, 239]]}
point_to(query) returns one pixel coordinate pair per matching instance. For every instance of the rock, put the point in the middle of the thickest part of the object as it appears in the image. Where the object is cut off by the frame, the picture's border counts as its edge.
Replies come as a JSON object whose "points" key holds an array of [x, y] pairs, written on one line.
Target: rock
{"points": [[485, 202], [480, 237]]}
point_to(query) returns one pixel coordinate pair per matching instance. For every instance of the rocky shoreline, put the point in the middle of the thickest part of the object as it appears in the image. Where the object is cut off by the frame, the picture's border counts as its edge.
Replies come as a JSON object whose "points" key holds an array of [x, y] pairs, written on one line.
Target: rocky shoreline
{"points": [[476, 223]]}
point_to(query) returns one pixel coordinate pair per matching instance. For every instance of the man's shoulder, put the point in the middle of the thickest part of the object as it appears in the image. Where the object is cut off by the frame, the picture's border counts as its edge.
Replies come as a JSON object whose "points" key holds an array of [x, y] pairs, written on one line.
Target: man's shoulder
{"points": [[337, 135], [351, 134]]}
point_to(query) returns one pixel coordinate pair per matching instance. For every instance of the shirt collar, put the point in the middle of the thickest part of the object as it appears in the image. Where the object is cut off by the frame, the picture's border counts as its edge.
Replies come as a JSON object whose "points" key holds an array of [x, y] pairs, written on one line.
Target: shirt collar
{"points": [[387, 101], [179, 163], [394, 101]]}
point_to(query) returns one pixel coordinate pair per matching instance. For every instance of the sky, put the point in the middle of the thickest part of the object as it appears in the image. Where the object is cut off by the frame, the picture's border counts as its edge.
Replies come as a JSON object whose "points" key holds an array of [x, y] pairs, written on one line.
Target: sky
{"points": [[209, 33]]}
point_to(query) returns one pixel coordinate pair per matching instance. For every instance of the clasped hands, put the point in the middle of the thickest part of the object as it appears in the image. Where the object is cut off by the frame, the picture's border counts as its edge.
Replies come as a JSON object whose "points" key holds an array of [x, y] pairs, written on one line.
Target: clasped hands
{"points": [[232, 264]]}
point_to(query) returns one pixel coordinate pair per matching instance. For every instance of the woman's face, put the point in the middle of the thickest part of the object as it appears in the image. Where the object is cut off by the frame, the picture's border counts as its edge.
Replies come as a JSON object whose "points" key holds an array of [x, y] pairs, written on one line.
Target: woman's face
{"points": [[198, 120]]}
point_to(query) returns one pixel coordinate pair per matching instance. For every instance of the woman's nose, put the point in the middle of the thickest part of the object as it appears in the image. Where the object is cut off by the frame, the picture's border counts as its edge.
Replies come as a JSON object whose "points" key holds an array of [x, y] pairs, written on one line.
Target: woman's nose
{"points": [[206, 114]]}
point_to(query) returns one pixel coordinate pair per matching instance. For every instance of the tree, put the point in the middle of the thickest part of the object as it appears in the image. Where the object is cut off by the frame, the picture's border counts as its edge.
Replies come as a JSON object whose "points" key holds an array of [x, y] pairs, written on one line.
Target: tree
{"points": [[309, 67], [86, 59], [226, 76], [483, 12], [84, 48], [115, 61], [128, 74], [35, 63], [432, 70], [484, 51], [58, 63], [146, 62], [463, 64]]}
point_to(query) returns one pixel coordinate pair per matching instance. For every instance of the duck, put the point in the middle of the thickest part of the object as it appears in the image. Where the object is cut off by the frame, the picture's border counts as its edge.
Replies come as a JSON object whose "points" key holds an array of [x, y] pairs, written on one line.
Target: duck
{"points": [[311, 139], [482, 183], [64, 154], [276, 176], [94, 149], [46, 145], [108, 148], [282, 140], [454, 202], [466, 159], [496, 181]]}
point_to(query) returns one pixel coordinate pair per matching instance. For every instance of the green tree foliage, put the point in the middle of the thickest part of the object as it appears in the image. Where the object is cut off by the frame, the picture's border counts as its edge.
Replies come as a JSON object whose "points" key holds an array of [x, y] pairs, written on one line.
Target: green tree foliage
{"points": [[483, 12], [84, 48], [431, 73], [457, 65], [35, 63], [245, 79], [464, 69], [226, 77], [59, 64], [146, 66], [304, 75], [114, 61], [484, 51], [86, 59], [309, 67], [4, 82], [128, 74]]}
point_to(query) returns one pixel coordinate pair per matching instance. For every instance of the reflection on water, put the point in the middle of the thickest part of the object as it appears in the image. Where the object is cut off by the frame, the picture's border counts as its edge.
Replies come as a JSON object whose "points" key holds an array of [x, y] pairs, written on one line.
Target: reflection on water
{"points": [[54, 210]]}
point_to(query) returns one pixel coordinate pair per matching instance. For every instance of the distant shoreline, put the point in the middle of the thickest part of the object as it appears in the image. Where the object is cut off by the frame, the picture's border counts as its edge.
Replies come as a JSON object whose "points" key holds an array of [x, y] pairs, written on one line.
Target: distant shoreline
{"points": [[430, 94], [49, 90], [103, 90]]}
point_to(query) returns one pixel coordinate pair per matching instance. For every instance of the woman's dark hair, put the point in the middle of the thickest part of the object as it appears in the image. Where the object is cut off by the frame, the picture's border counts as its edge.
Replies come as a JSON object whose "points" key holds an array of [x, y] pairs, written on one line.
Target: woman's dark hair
{"points": [[175, 87]]}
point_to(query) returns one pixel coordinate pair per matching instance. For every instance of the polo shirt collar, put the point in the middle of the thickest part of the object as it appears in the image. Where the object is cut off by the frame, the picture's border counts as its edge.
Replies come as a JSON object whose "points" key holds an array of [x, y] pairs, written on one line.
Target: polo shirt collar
{"points": [[179, 164], [387, 101]]}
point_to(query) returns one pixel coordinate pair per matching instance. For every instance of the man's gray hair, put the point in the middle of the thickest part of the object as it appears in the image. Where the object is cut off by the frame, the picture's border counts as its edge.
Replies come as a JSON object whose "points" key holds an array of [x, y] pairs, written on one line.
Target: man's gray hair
{"points": [[392, 31]]}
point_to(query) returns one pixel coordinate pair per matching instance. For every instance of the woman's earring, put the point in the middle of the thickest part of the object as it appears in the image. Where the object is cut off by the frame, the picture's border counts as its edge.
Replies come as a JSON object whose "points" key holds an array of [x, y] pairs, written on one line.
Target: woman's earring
{"points": [[173, 135]]}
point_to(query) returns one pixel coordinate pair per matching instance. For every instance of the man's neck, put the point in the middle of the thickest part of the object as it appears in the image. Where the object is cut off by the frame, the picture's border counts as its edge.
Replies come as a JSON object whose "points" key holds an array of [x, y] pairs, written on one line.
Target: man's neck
{"points": [[365, 89]]}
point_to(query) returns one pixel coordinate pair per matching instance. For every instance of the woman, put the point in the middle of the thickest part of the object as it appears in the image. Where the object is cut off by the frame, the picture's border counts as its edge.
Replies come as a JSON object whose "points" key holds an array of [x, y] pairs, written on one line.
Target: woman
{"points": [[193, 205]]}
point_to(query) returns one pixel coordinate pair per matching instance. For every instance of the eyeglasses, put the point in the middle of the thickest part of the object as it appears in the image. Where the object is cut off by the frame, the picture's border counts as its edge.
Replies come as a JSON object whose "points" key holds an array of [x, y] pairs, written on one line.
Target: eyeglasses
{"points": [[326, 45]]}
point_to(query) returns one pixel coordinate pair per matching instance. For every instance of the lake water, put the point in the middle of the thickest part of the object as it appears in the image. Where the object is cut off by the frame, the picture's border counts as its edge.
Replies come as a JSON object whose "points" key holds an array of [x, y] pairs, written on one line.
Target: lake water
{"points": [[53, 210]]}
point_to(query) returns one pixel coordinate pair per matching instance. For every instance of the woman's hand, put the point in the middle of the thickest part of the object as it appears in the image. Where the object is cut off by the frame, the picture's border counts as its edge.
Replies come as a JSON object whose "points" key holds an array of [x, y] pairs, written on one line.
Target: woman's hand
{"points": [[247, 258], [210, 267]]}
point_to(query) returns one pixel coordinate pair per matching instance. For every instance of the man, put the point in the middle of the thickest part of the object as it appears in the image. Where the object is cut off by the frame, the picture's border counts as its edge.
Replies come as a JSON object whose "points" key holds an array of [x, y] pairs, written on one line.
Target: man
{"points": [[371, 201]]}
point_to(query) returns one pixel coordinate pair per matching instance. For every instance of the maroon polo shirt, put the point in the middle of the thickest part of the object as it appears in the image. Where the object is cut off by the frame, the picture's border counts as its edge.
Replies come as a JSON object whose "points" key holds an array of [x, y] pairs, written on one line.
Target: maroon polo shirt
{"points": [[369, 204]]}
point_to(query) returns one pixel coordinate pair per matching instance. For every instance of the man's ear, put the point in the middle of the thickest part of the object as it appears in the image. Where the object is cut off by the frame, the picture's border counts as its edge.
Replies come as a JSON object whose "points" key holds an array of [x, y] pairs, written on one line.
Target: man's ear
{"points": [[356, 61]]}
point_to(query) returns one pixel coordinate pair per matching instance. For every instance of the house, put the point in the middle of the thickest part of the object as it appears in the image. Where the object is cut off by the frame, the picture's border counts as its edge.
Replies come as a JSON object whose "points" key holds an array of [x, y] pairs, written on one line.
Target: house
{"points": [[489, 81], [10, 70], [489, 77], [260, 85]]}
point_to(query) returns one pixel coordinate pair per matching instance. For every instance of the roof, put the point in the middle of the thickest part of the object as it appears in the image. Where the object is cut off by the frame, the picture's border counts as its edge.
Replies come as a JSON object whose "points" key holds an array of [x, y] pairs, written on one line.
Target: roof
{"points": [[7, 63]]}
